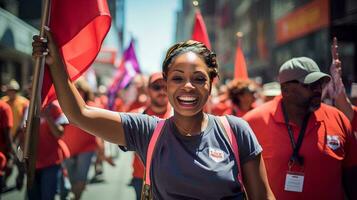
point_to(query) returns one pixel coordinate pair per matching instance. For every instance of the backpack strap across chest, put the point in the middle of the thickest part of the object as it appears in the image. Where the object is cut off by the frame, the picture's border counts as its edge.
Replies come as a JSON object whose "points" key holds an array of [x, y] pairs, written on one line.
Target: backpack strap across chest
{"points": [[151, 148], [234, 145], [228, 133]]}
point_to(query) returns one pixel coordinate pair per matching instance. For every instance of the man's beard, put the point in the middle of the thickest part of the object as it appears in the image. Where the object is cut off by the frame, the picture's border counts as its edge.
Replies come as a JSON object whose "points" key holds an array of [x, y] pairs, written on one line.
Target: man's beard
{"points": [[314, 102]]}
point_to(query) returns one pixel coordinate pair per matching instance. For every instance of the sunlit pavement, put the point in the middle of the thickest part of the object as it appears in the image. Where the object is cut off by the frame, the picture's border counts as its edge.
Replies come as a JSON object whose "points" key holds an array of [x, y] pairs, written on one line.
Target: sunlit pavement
{"points": [[116, 184]]}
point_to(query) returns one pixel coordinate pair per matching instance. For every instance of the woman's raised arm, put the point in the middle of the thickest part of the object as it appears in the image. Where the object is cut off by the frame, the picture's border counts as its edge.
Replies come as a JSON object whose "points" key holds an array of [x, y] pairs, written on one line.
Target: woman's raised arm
{"points": [[102, 123]]}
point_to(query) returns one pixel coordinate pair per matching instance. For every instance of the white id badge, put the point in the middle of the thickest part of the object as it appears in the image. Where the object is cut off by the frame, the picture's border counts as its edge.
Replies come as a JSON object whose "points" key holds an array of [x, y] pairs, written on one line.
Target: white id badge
{"points": [[294, 182]]}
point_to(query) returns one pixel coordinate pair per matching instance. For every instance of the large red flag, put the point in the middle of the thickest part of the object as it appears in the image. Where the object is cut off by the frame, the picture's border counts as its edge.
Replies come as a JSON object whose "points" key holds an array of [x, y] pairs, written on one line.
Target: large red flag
{"points": [[240, 68], [79, 28], [199, 32]]}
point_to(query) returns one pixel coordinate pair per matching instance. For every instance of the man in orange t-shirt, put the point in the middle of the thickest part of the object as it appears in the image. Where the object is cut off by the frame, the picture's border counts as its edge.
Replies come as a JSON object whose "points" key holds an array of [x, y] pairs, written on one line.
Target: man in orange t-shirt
{"points": [[309, 148], [159, 106], [17, 103]]}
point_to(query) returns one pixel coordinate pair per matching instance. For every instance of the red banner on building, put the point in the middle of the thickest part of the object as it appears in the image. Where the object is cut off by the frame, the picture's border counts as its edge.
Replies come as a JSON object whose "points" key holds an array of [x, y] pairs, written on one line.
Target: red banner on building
{"points": [[302, 21]]}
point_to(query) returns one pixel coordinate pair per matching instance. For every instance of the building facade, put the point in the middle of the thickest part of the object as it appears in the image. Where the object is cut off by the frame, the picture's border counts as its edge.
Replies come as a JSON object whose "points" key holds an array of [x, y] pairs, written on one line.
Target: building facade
{"points": [[15, 44], [275, 31], [20, 20]]}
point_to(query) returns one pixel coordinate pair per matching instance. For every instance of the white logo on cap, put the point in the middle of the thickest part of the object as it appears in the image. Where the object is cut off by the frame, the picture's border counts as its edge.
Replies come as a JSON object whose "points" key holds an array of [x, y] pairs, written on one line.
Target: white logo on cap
{"points": [[333, 142], [216, 154]]}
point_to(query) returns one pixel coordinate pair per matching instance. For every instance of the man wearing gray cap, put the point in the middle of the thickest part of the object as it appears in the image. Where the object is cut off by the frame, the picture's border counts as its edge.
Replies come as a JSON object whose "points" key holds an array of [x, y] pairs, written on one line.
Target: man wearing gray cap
{"points": [[309, 148]]}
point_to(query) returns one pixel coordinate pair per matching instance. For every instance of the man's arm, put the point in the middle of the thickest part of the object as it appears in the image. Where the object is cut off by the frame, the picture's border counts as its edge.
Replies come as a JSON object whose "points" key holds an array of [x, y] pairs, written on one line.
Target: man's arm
{"points": [[339, 94], [56, 129]]}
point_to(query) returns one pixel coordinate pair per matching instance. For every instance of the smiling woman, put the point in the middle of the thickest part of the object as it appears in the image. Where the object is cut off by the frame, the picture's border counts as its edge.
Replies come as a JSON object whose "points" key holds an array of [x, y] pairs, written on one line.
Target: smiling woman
{"points": [[193, 157]]}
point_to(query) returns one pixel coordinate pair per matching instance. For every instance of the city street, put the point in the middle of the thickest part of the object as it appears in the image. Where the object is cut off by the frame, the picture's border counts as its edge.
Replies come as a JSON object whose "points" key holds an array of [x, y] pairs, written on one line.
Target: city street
{"points": [[115, 185], [208, 91]]}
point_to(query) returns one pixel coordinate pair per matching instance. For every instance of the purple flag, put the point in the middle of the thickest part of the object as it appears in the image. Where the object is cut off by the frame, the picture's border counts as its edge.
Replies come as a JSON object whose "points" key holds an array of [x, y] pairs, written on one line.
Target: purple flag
{"points": [[126, 71]]}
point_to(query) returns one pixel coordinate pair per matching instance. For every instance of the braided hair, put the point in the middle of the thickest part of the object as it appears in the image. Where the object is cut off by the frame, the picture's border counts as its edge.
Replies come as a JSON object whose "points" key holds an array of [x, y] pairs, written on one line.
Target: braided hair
{"points": [[196, 47]]}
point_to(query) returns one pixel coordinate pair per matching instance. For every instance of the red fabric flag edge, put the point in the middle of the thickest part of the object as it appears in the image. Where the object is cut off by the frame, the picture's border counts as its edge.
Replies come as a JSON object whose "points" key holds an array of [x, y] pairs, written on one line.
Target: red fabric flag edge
{"points": [[102, 20], [240, 67], [199, 32]]}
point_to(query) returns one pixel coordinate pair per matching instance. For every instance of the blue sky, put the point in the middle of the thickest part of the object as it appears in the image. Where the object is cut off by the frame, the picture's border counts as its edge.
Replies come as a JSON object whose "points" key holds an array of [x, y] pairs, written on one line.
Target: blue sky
{"points": [[152, 23]]}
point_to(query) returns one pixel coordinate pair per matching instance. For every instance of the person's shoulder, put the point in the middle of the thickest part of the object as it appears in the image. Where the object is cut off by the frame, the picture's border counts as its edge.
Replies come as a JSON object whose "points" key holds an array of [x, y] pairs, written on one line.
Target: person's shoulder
{"points": [[329, 110], [138, 110], [5, 98], [237, 123], [3, 104], [138, 117], [235, 120], [5, 109], [22, 99], [330, 113], [262, 110]]}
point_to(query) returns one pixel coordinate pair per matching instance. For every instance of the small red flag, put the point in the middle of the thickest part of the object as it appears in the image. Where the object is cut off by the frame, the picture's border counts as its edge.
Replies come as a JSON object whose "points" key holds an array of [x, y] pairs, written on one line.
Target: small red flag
{"points": [[79, 28], [240, 68], [199, 32]]}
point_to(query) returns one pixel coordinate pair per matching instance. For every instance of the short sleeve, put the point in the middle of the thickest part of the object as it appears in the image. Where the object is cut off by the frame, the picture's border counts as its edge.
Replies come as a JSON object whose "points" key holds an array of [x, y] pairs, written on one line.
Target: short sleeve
{"points": [[248, 144], [138, 129], [58, 115]]}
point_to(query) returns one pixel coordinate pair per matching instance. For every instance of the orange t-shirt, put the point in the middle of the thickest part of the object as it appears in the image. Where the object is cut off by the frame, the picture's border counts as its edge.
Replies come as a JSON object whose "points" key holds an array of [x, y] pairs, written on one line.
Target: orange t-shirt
{"points": [[18, 107], [49, 151], [6, 122], [221, 107], [234, 110], [138, 166], [327, 148], [77, 140]]}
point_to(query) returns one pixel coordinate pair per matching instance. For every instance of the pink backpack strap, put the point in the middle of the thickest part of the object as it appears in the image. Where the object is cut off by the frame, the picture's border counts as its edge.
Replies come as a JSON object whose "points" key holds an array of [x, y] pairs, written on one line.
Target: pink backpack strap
{"points": [[233, 141], [151, 148]]}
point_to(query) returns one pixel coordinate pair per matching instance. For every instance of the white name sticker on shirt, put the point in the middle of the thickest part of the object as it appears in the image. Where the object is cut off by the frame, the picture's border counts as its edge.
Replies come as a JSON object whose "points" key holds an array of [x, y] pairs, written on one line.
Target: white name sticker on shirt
{"points": [[216, 154], [333, 141], [294, 182]]}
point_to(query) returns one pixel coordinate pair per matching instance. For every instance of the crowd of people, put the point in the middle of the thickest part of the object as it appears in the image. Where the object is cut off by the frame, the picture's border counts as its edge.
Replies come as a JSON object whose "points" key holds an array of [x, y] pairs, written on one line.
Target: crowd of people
{"points": [[275, 141]]}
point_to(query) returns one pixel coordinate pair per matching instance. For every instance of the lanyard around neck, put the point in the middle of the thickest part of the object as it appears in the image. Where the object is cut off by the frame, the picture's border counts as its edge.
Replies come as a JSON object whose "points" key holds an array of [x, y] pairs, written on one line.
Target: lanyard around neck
{"points": [[295, 157]]}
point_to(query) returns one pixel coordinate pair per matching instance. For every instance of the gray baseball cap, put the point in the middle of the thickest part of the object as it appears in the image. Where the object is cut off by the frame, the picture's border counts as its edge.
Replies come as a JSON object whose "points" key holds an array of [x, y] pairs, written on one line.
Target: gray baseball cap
{"points": [[302, 69]]}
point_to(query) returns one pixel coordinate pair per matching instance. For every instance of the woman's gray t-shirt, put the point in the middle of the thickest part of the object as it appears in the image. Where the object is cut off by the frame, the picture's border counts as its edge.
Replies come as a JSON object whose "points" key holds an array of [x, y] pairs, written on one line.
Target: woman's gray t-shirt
{"points": [[191, 167]]}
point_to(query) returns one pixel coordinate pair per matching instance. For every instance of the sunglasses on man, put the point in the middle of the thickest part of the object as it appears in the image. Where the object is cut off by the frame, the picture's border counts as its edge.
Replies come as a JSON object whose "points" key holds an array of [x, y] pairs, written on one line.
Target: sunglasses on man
{"points": [[157, 87]]}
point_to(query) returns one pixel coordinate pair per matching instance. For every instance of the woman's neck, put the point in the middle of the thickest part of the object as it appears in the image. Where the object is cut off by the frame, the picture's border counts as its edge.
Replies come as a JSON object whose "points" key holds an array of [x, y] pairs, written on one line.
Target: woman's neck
{"points": [[190, 125]]}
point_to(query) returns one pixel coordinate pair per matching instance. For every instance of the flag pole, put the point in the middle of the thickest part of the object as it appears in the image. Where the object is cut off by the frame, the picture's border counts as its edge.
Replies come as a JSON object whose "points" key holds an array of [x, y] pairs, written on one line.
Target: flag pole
{"points": [[31, 135], [239, 38]]}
